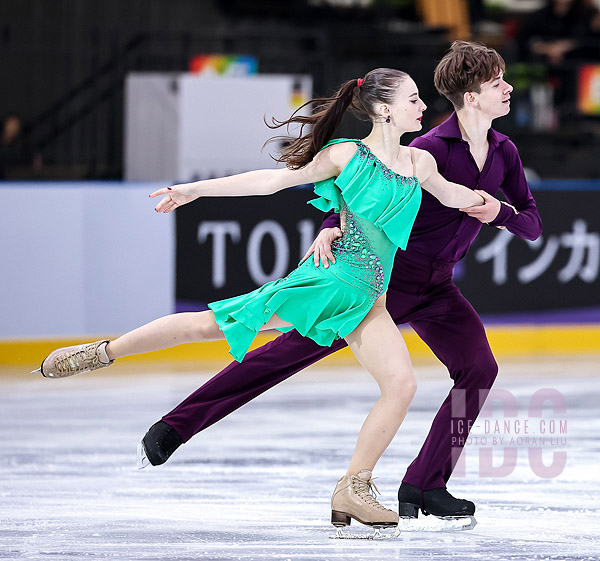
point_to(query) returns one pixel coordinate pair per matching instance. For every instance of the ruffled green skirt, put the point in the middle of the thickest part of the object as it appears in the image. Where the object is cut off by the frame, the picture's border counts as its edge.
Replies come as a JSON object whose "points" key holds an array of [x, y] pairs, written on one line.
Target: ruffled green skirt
{"points": [[318, 302], [328, 304]]}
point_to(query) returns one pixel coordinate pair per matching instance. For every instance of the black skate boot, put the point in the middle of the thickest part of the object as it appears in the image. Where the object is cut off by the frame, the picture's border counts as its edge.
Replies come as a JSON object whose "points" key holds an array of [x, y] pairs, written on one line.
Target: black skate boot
{"points": [[435, 501], [156, 447]]}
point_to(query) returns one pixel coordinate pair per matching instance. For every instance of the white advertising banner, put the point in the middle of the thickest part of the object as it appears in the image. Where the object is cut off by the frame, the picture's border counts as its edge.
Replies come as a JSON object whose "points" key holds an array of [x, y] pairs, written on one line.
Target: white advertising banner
{"points": [[181, 127]]}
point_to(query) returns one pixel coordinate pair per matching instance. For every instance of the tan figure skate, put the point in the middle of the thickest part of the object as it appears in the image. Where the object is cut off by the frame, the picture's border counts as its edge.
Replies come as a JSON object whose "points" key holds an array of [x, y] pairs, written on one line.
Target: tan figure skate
{"points": [[354, 497], [78, 359]]}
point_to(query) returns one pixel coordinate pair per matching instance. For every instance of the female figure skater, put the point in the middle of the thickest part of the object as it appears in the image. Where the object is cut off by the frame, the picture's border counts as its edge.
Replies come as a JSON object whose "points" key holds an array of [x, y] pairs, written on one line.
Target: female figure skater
{"points": [[375, 184]]}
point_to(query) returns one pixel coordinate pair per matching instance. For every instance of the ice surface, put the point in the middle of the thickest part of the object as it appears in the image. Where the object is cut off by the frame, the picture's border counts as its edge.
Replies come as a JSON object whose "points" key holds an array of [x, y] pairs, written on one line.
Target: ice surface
{"points": [[257, 485]]}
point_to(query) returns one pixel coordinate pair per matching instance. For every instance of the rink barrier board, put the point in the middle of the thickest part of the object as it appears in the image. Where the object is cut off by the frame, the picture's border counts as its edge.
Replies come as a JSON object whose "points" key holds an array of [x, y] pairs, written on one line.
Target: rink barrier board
{"points": [[506, 341], [227, 247], [140, 283]]}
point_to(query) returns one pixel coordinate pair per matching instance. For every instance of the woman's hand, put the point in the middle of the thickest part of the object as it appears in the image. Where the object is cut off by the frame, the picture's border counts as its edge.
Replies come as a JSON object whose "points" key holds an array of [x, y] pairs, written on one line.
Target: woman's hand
{"points": [[487, 212], [321, 247], [175, 196]]}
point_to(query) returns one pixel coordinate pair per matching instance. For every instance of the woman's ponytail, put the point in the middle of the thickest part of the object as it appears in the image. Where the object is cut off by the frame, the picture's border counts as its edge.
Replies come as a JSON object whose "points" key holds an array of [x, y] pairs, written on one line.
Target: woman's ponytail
{"points": [[360, 96], [324, 120]]}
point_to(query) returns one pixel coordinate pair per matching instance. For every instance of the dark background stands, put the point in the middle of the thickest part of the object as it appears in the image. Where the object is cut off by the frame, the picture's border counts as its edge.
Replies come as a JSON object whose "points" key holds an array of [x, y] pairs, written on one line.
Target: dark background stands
{"points": [[66, 62]]}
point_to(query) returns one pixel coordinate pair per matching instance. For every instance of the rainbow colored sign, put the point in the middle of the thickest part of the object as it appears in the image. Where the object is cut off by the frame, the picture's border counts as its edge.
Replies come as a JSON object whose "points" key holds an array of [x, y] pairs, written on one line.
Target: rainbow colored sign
{"points": [[588, 91], [224, 65]]}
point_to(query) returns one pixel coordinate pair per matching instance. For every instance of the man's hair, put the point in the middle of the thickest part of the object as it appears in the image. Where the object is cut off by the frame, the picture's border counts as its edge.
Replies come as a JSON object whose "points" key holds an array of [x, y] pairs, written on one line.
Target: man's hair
{"points": [[464, 68]]}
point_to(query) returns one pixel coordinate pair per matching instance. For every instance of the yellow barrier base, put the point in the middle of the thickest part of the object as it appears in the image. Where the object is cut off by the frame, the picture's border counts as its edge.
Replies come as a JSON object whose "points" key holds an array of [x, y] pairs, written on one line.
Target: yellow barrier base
{"points": [[514, 341]]}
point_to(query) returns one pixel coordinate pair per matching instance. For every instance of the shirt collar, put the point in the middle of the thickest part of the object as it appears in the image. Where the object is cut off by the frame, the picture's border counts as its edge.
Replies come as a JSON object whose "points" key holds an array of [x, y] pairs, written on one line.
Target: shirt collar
{"points": [[450, 129]]}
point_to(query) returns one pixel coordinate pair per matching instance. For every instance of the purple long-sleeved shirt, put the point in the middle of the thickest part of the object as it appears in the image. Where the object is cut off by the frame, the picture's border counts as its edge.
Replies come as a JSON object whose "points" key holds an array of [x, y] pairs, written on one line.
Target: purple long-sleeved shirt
{"points": [[445, 234]]}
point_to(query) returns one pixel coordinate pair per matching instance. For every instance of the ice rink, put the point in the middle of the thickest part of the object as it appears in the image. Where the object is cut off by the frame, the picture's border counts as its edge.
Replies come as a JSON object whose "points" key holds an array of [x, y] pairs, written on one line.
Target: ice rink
{"points": [[257, 485]]}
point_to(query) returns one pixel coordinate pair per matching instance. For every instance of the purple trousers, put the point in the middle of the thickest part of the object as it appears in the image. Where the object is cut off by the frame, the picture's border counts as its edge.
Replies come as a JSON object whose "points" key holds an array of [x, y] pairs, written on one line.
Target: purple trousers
{"points": [[422, 294]]}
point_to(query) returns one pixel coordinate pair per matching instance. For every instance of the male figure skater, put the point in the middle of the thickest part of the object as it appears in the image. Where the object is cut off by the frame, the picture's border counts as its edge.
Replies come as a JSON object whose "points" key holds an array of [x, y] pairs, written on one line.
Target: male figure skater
{"points": [[421, 292]]}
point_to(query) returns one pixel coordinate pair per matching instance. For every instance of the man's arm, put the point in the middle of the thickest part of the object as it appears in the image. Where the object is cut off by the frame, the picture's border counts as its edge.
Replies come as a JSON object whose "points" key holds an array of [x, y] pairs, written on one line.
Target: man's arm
{"points": [[330, 220], [520, 216]]}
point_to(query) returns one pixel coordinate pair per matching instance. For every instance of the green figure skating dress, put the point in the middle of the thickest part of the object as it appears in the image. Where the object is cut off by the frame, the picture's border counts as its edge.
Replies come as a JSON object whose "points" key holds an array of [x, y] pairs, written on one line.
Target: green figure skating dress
{"points": [[377, 210]]}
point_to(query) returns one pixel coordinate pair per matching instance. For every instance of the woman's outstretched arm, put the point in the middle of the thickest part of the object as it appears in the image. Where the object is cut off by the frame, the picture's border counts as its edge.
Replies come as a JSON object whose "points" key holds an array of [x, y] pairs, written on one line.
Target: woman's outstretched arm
{"points": [[327, 163], [449, 194]]}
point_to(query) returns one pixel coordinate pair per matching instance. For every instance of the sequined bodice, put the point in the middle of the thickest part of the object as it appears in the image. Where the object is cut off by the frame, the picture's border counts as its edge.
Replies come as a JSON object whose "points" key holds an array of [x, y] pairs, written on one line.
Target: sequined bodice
{"points": [[377, 209], [364, 249]]}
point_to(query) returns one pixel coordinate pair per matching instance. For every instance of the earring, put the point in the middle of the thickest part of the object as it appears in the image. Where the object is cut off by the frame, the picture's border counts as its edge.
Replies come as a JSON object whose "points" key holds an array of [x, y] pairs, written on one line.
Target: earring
{"points": [[388, 119]]}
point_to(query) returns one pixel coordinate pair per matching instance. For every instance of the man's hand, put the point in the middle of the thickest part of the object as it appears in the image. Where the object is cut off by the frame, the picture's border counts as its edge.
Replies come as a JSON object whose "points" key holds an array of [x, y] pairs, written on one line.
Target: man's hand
{"points": [[486, 212], [321, 247]]}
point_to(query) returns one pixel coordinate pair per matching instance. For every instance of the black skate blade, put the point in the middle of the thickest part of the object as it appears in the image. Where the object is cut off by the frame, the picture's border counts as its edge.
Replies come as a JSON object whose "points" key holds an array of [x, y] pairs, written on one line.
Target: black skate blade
{"points": [[142, 458], [437, 524]]}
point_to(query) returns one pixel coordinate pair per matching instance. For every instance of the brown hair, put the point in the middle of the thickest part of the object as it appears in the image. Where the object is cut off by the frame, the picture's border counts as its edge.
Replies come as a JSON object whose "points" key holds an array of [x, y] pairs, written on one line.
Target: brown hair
{"points": [[464, 68], [378, 86]]}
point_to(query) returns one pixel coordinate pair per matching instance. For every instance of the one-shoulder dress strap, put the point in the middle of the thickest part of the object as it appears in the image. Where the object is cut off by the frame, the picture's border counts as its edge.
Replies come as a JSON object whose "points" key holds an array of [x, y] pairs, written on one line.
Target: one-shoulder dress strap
{"points": [[338, 141]]}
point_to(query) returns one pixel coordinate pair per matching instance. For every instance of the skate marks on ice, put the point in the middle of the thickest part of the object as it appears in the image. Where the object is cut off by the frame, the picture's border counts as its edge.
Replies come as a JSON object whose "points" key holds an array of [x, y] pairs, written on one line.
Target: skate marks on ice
{"points": [[375, 534], [425, 524], [257, 486]]}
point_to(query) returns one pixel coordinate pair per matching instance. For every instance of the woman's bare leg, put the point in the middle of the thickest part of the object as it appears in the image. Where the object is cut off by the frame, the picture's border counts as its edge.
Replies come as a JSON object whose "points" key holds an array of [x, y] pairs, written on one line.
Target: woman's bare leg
{"points": [[380, 348], [172, 330], [161, 333]]}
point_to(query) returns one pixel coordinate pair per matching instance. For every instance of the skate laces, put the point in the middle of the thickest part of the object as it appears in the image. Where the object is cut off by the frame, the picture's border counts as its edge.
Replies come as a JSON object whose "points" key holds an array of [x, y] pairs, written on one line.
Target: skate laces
{"points": [[76, 360], [367, 491]]}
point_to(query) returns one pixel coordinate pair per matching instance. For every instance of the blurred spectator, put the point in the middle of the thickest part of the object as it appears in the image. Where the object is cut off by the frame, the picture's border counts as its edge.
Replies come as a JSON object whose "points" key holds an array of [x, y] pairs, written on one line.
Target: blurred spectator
{"points": [[563, 29], [562, 32], [11, 152], [15, 156]]}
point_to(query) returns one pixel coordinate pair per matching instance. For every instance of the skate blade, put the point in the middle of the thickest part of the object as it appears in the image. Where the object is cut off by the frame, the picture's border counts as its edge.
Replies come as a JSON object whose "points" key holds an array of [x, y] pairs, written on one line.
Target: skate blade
{"points": [[388, 533], [437, 524], [39, 371], [142, 458]]}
